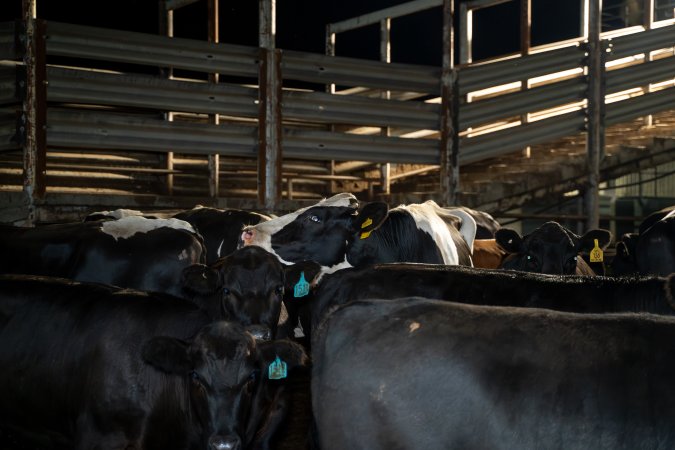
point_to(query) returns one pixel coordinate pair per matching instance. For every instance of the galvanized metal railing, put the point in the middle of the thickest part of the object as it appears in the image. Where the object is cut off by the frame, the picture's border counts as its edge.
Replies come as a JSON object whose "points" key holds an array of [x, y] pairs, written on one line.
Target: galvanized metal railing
{"points": [[106, 110]]}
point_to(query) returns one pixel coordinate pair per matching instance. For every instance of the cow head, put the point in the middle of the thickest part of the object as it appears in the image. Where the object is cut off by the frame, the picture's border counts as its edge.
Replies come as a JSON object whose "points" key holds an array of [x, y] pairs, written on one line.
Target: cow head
{"points": [[551, 248], [321, 232], [222, 367], [247, 286]]}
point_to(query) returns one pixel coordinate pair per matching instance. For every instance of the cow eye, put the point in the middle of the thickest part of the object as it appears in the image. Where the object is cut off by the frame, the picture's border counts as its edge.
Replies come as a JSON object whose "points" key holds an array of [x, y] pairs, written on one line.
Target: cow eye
{"points": [[254, 375], [226, 291], [194, 376], [314, 218], [279, 290]]}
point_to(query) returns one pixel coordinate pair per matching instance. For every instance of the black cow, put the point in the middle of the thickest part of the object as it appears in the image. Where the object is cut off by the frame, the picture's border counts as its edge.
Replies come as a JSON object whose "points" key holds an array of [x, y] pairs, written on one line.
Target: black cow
{"points": [[93, 366], [551, 248], [336, 234], [248, 286], [134, 252], [581, 294], [220, 228], [422, 374]]}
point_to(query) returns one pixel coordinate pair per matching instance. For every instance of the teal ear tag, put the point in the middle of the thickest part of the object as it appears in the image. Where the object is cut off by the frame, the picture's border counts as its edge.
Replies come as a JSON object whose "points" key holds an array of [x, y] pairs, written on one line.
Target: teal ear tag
{"points": [[277, 370], [301, 287]]}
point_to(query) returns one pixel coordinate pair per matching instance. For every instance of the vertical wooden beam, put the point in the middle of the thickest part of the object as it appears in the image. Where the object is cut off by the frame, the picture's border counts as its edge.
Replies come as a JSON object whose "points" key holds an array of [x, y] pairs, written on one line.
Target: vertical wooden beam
{"points": [[34, 110], [166, 29], [330, 88], [269, 117], [525, 44], [595, 126], [648, 22], [449, 151], [213, 160]]}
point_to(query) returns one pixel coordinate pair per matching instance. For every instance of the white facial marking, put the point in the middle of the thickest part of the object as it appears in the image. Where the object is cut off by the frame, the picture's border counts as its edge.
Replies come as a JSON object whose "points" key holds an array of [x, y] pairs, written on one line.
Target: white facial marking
{"points": [[183, 255], [128, 226], [414, 326]]}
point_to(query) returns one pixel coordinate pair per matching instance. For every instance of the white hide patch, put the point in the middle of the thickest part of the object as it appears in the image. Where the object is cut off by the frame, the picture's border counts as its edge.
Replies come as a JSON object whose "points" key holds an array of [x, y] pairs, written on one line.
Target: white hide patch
{"points": [[128, 226], [414, 326], [264, 230], [119, 213], [670, 214], [183, 255], [430, 222]]}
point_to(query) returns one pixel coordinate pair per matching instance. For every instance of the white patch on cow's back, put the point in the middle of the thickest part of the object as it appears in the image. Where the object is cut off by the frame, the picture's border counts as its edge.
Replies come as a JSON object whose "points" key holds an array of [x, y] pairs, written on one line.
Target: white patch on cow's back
{"points": [[119, 213], [427, 220], [670, 214], [263, 231], [468, 227], [128, 226]]}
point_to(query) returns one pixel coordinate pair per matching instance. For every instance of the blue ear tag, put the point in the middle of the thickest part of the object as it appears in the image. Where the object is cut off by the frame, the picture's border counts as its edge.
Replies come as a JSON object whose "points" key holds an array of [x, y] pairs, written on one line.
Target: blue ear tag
{"points": [[301, 287], [277, 370]]}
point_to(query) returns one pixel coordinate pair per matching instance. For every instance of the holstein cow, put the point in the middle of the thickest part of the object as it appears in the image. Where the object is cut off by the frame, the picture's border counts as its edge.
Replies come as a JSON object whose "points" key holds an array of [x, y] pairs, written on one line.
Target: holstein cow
{"points": [[94, 366], [551, 248], [652, 250], [415, 373], [336, 234], [486, 225], [220, 228], [581, 294], [248, 286], [134, 252]]}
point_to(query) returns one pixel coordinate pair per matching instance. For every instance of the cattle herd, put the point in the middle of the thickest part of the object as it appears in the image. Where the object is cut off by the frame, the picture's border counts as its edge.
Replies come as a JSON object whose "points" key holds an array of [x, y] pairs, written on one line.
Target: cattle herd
{"points": [[337, 326]]}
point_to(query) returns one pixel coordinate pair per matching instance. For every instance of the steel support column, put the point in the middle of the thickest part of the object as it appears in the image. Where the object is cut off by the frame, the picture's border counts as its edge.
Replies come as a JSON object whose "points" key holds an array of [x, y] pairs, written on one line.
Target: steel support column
{"points": [[449, 151], [213, 160], [269, 119], [34, 114], [595, 135]]}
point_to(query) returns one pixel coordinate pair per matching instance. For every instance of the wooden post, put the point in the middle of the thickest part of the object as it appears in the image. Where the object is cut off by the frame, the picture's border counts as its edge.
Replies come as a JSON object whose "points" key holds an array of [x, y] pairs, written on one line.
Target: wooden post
{"points": [[34, 112], [213, 160], [385, 56], [449, 151], [525, 44], [648, 22], [595, 129], [269, 117]]}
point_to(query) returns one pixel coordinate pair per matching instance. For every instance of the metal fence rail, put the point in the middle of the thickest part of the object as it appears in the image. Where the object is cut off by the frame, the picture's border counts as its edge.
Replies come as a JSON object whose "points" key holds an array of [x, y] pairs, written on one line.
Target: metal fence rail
{"points": [[99, 110]]}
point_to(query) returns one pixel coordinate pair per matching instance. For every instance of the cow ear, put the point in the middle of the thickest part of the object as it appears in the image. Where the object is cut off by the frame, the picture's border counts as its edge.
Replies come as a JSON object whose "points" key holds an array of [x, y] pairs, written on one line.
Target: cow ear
{"points": [[288, 352], [167, 354], [370, 217], [587, 241], [300, 274], [509, 240], [200, 279]]}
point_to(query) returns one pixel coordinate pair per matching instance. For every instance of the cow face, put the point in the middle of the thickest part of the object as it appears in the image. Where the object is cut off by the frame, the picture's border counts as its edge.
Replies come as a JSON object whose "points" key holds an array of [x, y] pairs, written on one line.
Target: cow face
{"points": [[222, 368], [550, 249], [247, 286], [319, 232]]}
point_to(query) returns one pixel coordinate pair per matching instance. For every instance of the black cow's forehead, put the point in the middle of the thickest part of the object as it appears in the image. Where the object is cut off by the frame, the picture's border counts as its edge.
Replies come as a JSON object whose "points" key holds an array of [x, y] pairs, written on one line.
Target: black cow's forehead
{"points": [[550, 232]]}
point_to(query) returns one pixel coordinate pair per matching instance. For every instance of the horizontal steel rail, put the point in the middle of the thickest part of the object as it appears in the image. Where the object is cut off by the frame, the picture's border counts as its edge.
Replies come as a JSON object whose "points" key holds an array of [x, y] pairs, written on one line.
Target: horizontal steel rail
{"points": [[512, 139], [8, 48], [485, 75], [640, 74], [324, 145], [92, 130], [357, 110], [142, 91], [150, 50], [351, 72], [376, 16], [662, 100], [517, 103], [634, 44]]}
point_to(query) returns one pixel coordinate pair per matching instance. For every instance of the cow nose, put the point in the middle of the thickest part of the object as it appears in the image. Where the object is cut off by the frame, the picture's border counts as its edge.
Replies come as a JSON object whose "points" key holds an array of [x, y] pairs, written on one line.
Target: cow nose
{"points": [[229, 442], [247, 236], [260, 332]]}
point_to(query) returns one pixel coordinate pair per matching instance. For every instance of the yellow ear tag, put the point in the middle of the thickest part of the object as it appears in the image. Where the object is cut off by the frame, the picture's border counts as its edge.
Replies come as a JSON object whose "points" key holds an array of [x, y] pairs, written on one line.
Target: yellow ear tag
{"points": [[596, 253], [367, 222], [365, 234]]}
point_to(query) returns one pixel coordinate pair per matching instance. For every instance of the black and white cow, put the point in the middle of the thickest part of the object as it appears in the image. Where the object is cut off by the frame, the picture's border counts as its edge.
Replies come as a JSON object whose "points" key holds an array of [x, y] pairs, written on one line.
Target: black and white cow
{"points": [[551, 249], [415, 373], [580, 294], [134, 252], [336, 234], [94, 366], [486, 225], [249, 286], [220, 228]]}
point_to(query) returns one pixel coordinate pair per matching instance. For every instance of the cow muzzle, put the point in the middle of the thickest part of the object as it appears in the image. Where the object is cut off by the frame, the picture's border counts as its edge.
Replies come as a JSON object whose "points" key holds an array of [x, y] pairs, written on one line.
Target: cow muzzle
{"points": [[260, 332], [247, 237], [230, 442]]}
